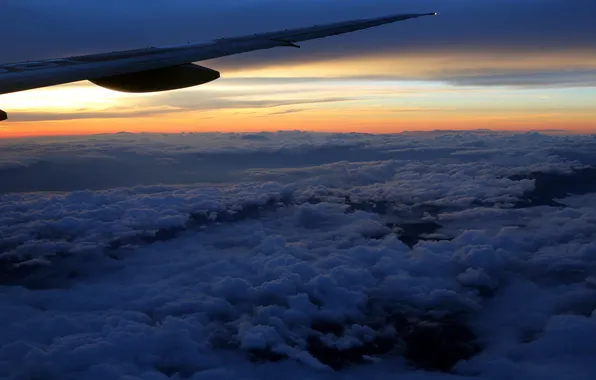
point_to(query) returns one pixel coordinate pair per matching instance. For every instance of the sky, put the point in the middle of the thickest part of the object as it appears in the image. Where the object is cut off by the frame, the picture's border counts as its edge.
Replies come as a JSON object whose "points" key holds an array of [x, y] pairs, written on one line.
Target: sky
{"points": [[514, 65]]}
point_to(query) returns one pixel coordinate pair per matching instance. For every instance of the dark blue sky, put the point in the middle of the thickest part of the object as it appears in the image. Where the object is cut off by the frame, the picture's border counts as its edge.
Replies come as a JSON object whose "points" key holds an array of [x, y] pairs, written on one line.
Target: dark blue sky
{"points": [[49, 28]]}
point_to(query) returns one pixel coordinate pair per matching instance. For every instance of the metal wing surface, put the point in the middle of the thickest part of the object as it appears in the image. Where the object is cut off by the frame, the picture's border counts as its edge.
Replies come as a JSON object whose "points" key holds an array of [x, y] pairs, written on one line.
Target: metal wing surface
{"points": [[29, 75]]}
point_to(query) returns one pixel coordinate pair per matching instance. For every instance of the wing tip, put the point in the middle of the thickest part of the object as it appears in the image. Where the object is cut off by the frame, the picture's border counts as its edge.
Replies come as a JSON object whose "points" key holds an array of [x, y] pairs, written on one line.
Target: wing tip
{"points": [[416, 15]]}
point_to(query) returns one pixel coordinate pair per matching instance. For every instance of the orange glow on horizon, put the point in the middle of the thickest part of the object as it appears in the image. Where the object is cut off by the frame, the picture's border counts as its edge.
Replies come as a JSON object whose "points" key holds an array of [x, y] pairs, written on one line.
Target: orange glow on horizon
{"points": [[365, 122], [331, 96]]}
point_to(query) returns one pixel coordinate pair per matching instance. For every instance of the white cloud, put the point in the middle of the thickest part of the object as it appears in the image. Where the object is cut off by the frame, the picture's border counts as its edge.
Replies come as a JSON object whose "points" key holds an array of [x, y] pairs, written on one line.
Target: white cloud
{"points": [[195, 281]]}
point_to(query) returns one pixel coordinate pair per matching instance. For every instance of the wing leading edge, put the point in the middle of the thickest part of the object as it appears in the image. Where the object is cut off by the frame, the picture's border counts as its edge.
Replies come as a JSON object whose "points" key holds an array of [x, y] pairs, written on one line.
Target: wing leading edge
{"points": [[23, 76]]}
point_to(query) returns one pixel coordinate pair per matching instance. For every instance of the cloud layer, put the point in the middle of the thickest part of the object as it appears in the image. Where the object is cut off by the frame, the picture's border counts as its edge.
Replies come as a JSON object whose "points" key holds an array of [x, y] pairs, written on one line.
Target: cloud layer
{"points": [[99, 162], [349, 256]]}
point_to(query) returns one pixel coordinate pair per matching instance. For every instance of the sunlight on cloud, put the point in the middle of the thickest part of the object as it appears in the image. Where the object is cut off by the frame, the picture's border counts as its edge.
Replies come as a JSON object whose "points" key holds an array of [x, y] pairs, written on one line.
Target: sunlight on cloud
{"points": [[440, 65]]}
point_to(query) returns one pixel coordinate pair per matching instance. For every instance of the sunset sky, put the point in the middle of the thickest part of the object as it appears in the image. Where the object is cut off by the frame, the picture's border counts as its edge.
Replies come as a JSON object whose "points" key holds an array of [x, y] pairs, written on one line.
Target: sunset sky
{"points": [[498, 64]]}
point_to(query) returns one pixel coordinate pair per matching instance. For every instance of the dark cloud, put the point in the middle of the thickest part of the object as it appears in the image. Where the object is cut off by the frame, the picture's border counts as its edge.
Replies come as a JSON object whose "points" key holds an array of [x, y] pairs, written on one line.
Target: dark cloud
{"points": [[477, 77], [210, 101], [423, 265], [21, 116], [285, 112], [571, 78], [119, 160]]}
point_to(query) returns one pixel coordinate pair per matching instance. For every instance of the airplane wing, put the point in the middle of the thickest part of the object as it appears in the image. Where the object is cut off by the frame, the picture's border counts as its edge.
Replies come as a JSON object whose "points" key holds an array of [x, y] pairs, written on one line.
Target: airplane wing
{"points": [[125, 70]]}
